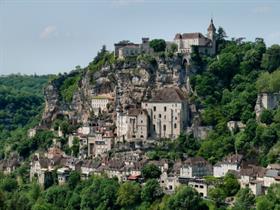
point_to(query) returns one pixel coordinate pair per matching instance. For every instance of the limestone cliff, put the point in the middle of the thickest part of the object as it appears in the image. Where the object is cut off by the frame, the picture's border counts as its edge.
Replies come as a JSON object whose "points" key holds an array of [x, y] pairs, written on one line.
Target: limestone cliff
{"points": [[134, 80]]}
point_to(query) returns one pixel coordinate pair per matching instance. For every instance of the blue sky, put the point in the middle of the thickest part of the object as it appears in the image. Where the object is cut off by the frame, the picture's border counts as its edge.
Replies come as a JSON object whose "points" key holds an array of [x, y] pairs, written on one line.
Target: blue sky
{"points": [[52, 36]]}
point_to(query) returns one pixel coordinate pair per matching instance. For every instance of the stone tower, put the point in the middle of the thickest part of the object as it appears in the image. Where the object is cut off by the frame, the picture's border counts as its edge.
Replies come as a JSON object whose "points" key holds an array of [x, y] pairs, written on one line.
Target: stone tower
{"points": [[211, 34]]}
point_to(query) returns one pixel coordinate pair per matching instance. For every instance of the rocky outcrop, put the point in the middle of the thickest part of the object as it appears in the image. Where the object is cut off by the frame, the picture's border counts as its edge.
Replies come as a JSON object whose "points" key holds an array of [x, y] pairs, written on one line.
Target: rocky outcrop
{"points": [[135, 80], [266, 101]]}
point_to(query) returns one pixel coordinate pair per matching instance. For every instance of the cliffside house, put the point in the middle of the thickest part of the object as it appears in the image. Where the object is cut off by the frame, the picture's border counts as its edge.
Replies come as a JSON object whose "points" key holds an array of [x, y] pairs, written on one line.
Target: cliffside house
{"points": [[126, 48], [100, 143], [195, 167], [7, 166], [132, 125], [99, 103], [167, 112], [230, 162]]}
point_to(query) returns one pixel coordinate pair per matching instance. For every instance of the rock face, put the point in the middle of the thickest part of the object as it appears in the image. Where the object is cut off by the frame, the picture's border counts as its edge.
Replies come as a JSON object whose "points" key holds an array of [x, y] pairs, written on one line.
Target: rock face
{"points": [[266, 101], [135, 82]]}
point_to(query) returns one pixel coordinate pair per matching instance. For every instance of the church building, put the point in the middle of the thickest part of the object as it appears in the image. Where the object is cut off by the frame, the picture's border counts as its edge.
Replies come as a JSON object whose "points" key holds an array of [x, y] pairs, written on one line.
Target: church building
{"points": [[205, 44]]}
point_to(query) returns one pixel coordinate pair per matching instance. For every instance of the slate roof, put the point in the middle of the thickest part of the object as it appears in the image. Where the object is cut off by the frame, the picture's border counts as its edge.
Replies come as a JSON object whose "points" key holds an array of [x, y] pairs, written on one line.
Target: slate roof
{"points": [[169, 95], [135, 111], [195, 161], [194, 35], [272, 173], [253, 171], [91, 164]]}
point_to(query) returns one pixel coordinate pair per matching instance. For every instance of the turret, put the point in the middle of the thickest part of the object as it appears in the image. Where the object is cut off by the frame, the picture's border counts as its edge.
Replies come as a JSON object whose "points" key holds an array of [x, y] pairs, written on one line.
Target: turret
{"points": [[211, 31], [212, 35]]}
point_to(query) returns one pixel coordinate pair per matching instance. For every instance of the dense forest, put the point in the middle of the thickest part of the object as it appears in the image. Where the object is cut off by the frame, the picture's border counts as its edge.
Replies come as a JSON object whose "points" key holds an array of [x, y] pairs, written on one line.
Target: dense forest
{"points": [[21, 103], [225, 88]]}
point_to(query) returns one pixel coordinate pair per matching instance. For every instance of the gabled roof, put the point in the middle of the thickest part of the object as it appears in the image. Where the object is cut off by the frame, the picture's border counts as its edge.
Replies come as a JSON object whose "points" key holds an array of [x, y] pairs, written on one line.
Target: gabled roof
{"points": [[195, 161], [136, 112], [253, 171], [233, 158], [173, 95], [195, 35]]}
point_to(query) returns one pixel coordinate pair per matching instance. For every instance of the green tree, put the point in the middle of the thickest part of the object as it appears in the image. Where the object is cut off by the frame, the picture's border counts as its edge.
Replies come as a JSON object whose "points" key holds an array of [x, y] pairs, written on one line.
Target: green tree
{"points": [[101, 193], [128, 195], [273, 154], [73, 179], [150, 171], [245, 200], [231, 185], [74, 202], [266, 116], [56, 195], [217, 195], [186, 198], [151, 191], [271, 58], [174, 47], [158, 45], [271, 200], [75, 147], [2, 201], [8, 184]]}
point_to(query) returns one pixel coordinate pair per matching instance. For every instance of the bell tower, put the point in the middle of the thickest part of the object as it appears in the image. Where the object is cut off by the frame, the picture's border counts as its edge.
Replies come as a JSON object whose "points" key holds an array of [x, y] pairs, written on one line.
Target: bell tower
{"points": [[211, 30], [211, 34]]}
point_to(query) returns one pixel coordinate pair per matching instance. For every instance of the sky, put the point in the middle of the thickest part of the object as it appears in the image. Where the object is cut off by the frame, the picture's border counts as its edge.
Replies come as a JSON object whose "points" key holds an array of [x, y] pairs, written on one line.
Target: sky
{"points": [[53, 36]]}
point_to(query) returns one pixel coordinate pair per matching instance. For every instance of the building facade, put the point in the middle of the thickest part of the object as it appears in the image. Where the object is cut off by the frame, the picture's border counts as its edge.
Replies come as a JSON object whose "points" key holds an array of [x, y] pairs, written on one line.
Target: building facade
{"points": [[100, 143], [195, 167], [168, 113], [205, 44], [99, 103], [230, 162], [126, 48], [132, 125]]}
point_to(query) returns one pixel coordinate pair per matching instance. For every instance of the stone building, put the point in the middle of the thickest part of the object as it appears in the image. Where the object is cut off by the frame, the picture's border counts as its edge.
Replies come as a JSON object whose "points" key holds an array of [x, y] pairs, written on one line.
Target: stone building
{"points": [[230, 162], [205, 45], [8, 166], [100, 102], [126, 48], [132, 125], [168, 113], [200, 185], [195, 167], [100, 143]]}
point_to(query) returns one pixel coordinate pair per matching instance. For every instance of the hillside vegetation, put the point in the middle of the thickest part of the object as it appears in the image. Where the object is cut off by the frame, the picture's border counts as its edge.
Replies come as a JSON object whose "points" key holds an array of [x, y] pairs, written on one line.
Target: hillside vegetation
{"points": [[21, 103], [225, 88]]}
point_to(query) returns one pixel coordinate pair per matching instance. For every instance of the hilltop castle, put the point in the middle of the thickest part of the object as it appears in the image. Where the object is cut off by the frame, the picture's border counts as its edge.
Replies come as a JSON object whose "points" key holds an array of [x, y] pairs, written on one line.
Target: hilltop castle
{"points": [[206, 45], [185, 42]]}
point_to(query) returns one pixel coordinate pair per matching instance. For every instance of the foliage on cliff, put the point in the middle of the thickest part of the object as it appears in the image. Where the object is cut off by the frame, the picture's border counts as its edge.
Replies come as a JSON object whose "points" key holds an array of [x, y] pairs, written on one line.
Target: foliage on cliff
{"points": [[104, 57], [226, 89], [69, 86]]}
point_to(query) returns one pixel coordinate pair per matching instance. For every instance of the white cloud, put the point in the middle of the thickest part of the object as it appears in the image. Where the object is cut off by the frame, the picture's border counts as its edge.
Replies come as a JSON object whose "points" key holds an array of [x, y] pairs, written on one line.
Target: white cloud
{"points": [[48, 31], [261, 10]]}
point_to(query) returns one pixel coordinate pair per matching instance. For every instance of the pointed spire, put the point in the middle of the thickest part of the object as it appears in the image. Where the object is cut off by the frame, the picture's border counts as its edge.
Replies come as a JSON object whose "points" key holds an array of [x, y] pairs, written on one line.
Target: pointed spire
{"points": [[211, 26]]}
